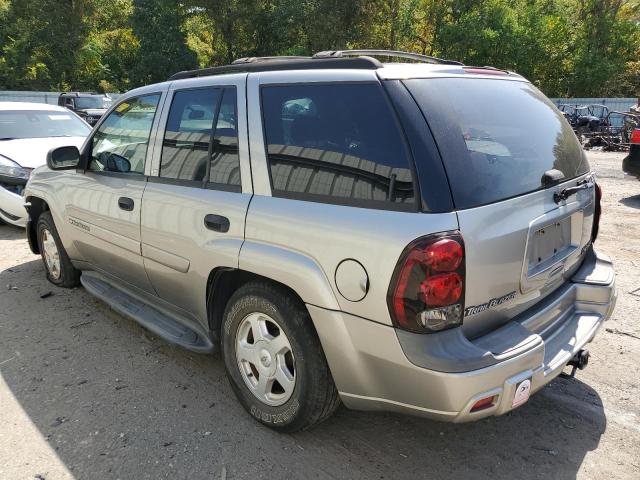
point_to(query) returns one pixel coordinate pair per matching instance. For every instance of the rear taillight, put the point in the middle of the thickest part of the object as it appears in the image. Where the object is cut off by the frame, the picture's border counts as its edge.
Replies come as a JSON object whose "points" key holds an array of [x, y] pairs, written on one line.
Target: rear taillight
{"points": [[427, 289], [635, 137], [596, 214]]}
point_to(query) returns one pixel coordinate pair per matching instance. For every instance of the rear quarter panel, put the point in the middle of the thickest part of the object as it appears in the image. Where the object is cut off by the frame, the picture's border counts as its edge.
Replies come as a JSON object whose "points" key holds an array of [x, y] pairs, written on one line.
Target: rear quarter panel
{"points": [[329, 234]]}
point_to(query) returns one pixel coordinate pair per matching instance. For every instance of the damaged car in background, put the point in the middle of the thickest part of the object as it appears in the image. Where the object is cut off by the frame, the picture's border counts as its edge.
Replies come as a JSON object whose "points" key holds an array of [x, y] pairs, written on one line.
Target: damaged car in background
{"points": [[27, 132]]}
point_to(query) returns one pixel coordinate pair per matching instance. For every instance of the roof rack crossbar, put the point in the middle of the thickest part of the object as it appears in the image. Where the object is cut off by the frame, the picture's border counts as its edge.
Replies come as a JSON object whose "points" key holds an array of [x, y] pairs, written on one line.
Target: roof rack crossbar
{"points": [[385, 53]]}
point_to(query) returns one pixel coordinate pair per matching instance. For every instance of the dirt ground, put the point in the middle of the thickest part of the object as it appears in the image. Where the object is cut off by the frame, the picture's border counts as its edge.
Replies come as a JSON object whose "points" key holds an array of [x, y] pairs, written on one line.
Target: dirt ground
{"points": [[88, 394]]}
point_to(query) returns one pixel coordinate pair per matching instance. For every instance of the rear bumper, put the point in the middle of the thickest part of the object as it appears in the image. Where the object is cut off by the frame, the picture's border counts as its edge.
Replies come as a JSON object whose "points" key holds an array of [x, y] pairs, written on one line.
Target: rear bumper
{"points": [[631, 163], [377, 368], [12, 208]]}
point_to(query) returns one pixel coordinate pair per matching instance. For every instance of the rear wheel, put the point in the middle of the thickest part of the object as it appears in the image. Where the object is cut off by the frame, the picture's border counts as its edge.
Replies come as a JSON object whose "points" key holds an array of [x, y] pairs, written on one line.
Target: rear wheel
{"points": [[274, 359], [59, 269]]}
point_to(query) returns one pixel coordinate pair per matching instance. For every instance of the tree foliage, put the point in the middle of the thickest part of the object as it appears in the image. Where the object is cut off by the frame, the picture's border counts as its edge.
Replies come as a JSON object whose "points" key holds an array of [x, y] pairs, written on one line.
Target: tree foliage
{"points": [[566, 47]]}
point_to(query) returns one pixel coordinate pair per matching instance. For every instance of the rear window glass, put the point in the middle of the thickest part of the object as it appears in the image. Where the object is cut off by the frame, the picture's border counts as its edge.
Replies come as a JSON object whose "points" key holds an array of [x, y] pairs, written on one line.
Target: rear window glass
{"points": [[338, 144], [497, 137]]}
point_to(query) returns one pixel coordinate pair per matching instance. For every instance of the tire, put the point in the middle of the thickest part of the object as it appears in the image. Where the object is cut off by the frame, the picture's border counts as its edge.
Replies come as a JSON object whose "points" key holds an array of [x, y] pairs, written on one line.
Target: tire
{"points": [[59, 269], [313, 396]]}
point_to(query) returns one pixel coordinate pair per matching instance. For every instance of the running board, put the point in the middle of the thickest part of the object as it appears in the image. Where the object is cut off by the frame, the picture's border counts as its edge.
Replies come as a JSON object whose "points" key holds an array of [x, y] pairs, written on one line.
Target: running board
{"points": [[149, 317]]}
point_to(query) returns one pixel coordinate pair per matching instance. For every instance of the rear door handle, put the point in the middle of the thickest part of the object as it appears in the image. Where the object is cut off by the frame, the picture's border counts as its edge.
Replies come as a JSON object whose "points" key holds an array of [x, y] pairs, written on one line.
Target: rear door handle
{"points": [[217, 223], [125, 203]]}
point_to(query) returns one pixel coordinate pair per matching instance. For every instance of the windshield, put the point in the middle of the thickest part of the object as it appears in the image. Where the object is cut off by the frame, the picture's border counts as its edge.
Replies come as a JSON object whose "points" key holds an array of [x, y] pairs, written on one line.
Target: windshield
{"points": [[40, 124], [497, 137], [83, 103]]}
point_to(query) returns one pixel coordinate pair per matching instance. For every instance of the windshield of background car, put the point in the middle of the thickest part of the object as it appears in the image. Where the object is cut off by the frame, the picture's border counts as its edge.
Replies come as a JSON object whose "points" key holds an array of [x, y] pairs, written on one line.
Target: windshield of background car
{"points": [[83, 103], [40, 124], [497, 137]]}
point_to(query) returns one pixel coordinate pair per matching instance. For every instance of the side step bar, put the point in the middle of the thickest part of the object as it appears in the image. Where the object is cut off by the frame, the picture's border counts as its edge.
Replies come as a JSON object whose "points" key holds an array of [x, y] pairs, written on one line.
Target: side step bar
{"points": [[149, 317]]}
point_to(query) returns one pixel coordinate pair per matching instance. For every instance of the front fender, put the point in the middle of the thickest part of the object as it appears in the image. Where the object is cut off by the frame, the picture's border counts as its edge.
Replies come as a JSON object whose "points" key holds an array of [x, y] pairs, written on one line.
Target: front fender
{"points": [[40, 191]]}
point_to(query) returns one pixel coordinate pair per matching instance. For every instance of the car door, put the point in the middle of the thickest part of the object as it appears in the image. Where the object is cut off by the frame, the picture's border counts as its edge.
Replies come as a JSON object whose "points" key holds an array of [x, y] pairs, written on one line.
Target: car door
{"points": [[195, 203], [104, 202]]}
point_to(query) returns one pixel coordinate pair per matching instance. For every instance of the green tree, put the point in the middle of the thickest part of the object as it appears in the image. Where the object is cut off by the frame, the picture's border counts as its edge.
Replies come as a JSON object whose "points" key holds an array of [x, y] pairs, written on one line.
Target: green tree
{"points": [[566, 47], [163, 49], [38, 53]]}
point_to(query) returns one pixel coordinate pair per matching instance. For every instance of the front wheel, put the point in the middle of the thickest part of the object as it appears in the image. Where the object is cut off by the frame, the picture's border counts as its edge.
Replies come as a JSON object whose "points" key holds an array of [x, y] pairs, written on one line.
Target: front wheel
{"points": [[274, 359], [59, 269]]}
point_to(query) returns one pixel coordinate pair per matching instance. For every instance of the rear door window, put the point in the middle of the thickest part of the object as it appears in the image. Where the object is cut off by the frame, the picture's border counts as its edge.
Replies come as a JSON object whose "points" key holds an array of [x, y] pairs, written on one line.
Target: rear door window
{"points": [[225, 162], [337, 143], [497, 137], [185, 148], [201, 139]]}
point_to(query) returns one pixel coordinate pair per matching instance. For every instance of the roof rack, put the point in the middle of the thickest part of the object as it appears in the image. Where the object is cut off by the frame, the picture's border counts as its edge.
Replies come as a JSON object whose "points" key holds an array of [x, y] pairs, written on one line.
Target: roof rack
{"points": [[265, 64], [354, 59], [385, 53], [80, 93]]}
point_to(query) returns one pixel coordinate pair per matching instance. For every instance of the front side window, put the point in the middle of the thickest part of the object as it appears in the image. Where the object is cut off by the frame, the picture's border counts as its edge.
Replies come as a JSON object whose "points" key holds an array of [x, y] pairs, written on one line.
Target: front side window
{"points": [[120, 143], [201, 140], [336, 143]]}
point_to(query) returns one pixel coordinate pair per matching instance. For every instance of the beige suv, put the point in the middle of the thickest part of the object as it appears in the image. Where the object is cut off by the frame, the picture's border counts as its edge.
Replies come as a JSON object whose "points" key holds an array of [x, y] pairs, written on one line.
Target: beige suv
{"points": [[396, 236]]}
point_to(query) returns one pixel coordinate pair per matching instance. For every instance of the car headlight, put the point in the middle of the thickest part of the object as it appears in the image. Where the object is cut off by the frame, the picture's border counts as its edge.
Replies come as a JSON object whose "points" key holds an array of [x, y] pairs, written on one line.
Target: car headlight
{"points": [[10, 168]]}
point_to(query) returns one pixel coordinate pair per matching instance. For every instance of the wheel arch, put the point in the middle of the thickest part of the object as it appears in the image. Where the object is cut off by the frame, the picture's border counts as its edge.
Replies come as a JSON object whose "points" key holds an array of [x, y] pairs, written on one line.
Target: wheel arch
{"points": [[223, 282], [294, 271], [221, 285], [36, 206]]}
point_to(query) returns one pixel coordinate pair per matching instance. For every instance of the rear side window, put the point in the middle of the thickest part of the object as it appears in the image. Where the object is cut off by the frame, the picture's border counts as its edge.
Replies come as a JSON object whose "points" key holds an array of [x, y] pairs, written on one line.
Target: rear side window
{"points": [[225, 163], [497, 137], [201, 140], [337, 143]]}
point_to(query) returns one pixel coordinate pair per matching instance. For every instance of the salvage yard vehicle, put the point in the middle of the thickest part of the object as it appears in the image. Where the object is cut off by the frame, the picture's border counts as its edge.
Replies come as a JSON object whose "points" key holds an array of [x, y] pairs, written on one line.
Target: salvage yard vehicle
{"points": [[27, 132], [395, 236], [631, 163], [597, 126], [89, 106]]}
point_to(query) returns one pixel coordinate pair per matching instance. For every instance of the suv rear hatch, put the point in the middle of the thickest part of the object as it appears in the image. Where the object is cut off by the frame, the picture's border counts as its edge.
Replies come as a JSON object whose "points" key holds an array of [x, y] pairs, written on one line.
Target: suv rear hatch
{"points": [[508, 152]]}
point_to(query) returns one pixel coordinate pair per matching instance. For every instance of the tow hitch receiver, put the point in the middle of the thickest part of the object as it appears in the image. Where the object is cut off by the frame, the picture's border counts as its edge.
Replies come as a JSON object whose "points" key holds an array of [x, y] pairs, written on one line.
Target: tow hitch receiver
{"points": [[579, 361]]}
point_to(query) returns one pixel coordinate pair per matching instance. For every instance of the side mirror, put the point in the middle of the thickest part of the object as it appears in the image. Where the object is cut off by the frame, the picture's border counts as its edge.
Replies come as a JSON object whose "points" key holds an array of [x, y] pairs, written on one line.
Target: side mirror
{"points": [[117, 163], [63, 158], [196, 114]]}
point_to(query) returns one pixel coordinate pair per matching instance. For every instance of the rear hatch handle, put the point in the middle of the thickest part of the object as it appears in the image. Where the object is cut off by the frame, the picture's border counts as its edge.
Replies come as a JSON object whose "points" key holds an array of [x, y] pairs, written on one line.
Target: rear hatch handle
{"points": [[567, 192]]}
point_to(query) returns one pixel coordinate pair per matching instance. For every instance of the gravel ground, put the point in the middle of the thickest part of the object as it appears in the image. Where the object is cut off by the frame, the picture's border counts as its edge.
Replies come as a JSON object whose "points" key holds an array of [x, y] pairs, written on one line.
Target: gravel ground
{"points": [[88, 394]]}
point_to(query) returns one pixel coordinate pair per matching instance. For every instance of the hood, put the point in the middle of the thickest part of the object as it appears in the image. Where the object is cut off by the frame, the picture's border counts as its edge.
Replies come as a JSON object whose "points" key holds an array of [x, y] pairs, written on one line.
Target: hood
{"points": [[32, 152], [91, 111]]}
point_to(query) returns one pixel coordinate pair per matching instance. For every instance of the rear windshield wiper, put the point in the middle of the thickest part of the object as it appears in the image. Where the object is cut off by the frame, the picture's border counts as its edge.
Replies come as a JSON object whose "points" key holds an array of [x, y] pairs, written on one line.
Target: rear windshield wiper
{"points": [[567, 192], [7, 138]]}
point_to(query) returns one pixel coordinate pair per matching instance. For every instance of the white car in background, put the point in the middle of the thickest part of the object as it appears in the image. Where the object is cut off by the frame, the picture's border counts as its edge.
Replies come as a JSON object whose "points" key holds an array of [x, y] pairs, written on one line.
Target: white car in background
{"points": [[27, 132]]}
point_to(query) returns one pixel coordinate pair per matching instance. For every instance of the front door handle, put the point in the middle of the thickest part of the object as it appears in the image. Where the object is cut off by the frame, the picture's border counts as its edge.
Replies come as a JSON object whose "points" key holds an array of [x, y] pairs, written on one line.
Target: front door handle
{"points": [[125, 203], [217, 223]]}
